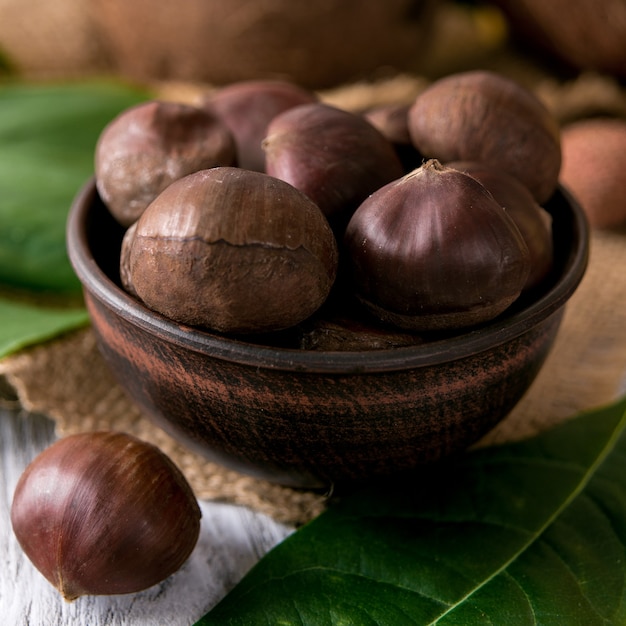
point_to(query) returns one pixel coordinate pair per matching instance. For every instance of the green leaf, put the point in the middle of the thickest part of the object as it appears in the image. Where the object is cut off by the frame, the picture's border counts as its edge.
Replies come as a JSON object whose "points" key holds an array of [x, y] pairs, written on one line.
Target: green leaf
{"points": [[48, 135], [23, 324], [528, 533]]}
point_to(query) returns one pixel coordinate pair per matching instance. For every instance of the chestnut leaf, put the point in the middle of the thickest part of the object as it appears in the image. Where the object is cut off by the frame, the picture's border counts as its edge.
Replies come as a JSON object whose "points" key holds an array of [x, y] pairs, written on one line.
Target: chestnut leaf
{"points": [[23, 324], [527, 533], [48, 134]]}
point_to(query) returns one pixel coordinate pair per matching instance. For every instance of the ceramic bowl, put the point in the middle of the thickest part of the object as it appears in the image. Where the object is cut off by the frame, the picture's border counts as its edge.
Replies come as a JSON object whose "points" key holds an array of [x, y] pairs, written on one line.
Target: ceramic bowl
{"points": [[309, 418]]}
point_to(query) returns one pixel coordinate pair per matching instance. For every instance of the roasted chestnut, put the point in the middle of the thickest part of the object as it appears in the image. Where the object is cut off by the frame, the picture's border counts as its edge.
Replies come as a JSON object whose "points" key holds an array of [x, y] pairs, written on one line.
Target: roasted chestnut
{"points": [[233, 250], [148, 146], [102, 513], [435, 251]]}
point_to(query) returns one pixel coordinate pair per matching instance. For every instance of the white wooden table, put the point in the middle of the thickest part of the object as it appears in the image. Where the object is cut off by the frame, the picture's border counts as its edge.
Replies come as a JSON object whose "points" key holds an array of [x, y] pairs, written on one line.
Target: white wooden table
{"points": [[232, 539]]}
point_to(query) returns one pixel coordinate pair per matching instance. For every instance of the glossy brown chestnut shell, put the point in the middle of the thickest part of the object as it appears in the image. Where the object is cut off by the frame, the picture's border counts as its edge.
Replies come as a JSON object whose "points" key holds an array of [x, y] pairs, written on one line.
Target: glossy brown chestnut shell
{"points": [[533, 221], [435, 251], [335, 157], [483, 116], [103, 513], [148, 146], [233, 250]]}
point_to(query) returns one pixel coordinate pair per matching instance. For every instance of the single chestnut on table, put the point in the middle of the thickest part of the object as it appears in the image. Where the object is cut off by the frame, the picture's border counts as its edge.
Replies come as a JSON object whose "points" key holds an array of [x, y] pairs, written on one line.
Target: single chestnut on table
{"points": [[233, 250], [435, 251], [148, 146], [103, 513]]}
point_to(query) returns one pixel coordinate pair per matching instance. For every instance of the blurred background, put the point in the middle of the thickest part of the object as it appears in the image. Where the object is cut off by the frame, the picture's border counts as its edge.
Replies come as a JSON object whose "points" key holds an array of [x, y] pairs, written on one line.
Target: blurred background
{"points": [[319, 44]]}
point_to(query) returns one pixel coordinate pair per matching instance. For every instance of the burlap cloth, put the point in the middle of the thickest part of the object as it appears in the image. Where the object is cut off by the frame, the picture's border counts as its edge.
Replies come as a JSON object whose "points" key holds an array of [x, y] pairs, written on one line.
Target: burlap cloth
{"points": [[67, 380]]}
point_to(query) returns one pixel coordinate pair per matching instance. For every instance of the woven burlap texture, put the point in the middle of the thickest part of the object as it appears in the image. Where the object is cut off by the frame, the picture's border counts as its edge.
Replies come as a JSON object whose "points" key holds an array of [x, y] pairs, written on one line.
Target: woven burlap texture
{"points": [[68, 381]]}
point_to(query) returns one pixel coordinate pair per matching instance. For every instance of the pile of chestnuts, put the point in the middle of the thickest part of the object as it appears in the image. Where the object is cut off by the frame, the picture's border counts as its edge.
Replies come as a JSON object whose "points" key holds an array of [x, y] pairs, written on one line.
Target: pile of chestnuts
{"points": [[264, 212]]}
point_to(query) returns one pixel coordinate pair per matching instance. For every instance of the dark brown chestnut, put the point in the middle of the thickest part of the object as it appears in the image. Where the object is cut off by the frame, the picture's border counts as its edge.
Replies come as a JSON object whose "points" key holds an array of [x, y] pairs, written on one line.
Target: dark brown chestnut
{"points": [[434, 251], [247, 108], [341, 333], [233, 250], [533, 221], [392, 120], [483, 116], [335, 157], [103, 513], [148, 146]]}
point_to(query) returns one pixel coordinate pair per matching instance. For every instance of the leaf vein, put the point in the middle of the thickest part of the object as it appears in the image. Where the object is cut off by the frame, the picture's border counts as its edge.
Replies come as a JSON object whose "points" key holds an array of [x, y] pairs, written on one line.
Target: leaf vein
{"points": [[585, 478]]}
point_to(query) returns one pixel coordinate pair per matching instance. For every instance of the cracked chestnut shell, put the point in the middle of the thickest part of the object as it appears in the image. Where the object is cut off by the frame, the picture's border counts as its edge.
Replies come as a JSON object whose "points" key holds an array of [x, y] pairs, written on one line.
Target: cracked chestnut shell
{"points": [[148, 146], [233, 250], [435, 251], [483, 116], [103, 513]]}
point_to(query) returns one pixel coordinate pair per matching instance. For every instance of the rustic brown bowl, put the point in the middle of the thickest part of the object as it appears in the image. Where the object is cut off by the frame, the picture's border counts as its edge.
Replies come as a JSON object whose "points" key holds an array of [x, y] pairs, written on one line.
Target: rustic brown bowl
{"points": [[312, 419]]}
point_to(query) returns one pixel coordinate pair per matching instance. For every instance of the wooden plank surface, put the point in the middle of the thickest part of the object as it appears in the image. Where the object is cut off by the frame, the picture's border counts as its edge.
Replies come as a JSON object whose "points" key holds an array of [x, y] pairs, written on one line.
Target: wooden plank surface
{"points": [[232, 539]]}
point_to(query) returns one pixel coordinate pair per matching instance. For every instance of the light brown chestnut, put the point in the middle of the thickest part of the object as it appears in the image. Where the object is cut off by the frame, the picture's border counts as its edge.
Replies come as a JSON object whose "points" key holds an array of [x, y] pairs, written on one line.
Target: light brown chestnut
{"points": [[150, 145], [435, 251], [235, 251], [247, 108], [533, 221], [594, 162], [483, 116], [103, 513], [125, 276], [335, 157]]}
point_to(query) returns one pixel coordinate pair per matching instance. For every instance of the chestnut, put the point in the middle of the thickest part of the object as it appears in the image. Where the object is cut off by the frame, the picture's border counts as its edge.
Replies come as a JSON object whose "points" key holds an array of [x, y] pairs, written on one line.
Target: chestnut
{"points": [[102, 513], [435, 251], [533, 221], [247, 107], [340, 333], [335, 157], [125, 276], [233, 250], [594, 158], [483, 116], [392, 120], [148, 146]]}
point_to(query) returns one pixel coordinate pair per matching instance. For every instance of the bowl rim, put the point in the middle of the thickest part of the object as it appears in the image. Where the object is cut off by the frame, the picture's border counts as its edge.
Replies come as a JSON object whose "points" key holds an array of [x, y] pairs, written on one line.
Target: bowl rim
{"points": [[97, 284]]}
